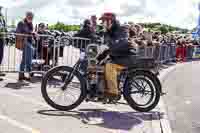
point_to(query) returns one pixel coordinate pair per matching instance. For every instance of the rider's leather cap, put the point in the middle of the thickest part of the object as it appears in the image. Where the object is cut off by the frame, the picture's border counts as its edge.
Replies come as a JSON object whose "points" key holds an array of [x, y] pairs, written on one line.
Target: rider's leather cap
{"points": [[108, 16]]}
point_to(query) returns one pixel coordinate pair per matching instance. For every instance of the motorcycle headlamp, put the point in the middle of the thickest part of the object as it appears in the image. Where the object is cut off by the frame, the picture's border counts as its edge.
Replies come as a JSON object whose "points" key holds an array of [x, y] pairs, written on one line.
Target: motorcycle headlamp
{"points": [[92, 51]]}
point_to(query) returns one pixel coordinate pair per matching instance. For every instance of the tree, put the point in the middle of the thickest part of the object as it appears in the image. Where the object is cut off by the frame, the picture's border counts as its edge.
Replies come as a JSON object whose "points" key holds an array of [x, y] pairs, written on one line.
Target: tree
{"points": [[163, 29], [184, 31], [62, 27], [171, 28]]}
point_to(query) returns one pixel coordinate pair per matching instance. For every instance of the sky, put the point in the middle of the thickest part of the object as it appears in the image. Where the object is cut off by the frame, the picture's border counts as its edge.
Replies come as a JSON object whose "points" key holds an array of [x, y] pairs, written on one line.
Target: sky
{"points": [[181, 13]]}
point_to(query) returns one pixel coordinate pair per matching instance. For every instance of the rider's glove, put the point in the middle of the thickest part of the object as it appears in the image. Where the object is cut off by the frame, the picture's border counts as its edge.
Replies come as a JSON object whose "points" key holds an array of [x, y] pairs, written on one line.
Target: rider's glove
{"points": [[103, 55]]}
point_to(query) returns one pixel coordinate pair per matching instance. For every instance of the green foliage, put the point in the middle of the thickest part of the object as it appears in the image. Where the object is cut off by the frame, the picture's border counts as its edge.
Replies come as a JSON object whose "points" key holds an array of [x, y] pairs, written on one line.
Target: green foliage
{"points": [[163, 28], [184, 31], [63, 27]]}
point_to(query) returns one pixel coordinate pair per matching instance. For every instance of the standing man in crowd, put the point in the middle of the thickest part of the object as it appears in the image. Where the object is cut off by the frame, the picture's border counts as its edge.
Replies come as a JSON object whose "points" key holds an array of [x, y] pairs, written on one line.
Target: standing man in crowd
{"points": [[2, 30], [26, 27], [42, 48], [94, 23]]}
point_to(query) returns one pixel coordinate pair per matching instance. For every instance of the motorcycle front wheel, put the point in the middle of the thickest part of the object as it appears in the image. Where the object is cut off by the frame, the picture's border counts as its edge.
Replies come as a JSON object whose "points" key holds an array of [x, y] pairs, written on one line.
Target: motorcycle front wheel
{"points": [[141, 91], [60, 97]]}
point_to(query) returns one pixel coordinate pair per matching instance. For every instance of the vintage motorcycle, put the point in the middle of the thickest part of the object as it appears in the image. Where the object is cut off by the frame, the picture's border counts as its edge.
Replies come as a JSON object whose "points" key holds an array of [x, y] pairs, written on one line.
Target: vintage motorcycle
{"points": [[64, 88]]}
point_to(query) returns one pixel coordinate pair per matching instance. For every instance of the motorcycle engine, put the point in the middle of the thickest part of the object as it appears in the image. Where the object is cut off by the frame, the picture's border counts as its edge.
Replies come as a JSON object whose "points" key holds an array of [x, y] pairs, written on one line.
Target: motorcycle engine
{"points": [[95, 71]]}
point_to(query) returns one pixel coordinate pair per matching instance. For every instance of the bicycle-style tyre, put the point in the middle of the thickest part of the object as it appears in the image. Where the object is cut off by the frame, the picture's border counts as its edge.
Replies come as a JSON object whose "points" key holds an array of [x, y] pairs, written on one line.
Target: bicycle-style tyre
{"points": [[58, 79], [154, 90]]}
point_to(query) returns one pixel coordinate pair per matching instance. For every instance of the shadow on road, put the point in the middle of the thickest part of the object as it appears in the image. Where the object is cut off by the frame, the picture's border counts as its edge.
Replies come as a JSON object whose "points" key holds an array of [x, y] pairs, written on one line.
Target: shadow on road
{"points": [[36, 79], [17, 85], [107, 119], [23, 84]]}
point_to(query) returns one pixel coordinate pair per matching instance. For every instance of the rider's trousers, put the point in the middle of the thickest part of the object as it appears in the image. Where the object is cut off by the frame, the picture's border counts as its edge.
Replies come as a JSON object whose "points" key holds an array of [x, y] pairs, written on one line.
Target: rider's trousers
{"points": [[112, 70]]}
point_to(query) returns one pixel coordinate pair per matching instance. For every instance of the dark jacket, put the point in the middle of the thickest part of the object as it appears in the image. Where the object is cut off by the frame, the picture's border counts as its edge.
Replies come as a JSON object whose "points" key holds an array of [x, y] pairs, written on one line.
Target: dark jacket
{"points": [[86, 32], [117, 39], [40, 41], [2, 25], [2, 21], [24, 27]]}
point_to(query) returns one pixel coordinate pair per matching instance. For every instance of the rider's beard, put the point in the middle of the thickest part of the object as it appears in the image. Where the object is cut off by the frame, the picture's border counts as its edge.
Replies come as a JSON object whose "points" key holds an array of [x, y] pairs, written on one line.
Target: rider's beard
{"points": [[107, 25]]}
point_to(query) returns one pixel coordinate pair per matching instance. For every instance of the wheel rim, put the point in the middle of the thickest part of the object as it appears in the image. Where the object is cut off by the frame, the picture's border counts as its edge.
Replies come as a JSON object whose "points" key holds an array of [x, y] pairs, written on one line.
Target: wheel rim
{"points": [[139, 88], [61, 97]]}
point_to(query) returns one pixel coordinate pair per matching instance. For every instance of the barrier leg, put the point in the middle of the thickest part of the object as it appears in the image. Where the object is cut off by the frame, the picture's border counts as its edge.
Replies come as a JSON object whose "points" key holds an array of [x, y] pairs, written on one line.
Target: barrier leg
{"points": [[191, 50], [174, 53], [165, 54], [156, 53], [162, 54], [1, 50]]}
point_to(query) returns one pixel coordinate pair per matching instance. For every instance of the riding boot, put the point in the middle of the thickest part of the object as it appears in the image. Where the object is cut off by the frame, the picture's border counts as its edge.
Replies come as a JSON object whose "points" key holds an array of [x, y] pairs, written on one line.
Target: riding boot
{"points": [[29, 77], [2, 74], [21, 76]]}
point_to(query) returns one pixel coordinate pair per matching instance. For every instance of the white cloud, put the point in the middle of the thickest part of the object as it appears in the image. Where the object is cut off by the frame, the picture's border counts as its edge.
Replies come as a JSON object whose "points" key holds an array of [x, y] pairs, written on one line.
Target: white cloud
{"points": [[183, 13], [11, 3]]}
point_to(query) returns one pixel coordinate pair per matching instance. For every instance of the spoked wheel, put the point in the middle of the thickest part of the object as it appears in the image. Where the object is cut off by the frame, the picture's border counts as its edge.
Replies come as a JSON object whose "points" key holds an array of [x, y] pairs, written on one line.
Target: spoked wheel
{"points": [[141, 91], [61, 93]]}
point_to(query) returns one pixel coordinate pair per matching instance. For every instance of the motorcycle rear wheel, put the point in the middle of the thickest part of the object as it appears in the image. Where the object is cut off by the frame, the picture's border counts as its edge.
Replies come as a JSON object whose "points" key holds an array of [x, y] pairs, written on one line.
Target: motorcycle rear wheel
{"points": [[153, 86]]}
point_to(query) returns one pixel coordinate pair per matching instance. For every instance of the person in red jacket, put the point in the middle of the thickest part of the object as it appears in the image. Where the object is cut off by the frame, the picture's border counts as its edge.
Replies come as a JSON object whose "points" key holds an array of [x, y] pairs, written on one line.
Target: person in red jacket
{"points": [[181, 51]]}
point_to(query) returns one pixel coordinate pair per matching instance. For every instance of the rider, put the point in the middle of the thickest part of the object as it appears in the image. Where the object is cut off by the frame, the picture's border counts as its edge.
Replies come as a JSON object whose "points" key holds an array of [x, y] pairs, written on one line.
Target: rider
{"points": [[117, 38]]}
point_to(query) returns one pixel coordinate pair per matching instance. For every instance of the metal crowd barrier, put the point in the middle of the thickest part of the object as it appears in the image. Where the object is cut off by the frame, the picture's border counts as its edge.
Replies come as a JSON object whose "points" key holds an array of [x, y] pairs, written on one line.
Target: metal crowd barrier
{"points": [[69, 49], [167, 53], [44, 53], [50, 51]]}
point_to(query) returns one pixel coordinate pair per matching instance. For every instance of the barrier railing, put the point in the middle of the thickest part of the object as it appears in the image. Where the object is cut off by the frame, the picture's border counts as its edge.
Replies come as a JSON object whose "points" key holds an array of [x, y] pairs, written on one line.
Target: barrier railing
{"points": [[25, 53], [45, 51]]}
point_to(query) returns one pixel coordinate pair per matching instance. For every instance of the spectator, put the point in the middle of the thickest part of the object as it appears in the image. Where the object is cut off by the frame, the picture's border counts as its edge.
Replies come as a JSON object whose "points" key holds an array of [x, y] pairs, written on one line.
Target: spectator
{"points": [[180, 50], [26, 27], [139, 29], [195, 42], [94, 23], [172, 39], [85, 32], [132, 32], [189, 49], [2, 29], [148, 38], [42, 48], [164, 40]]}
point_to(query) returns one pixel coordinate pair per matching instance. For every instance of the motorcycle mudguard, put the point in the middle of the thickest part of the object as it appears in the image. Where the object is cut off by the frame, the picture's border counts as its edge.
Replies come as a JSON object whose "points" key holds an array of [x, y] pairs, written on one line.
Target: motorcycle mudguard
{"points": [[155, 75]]}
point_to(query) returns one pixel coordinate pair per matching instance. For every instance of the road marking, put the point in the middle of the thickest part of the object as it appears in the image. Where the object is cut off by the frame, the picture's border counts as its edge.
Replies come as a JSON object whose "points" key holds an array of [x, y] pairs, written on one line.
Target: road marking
{"points": [[25, 99], [18, 124]]}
